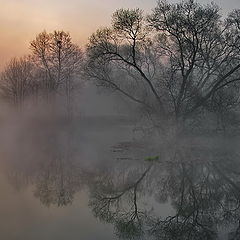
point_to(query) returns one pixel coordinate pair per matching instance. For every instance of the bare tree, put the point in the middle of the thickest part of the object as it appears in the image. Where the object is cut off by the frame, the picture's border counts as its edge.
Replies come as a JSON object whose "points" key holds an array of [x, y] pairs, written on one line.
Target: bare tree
{"points": [[120, 58], [201, 51], [176, 59], [16, 80], [60, 62]]}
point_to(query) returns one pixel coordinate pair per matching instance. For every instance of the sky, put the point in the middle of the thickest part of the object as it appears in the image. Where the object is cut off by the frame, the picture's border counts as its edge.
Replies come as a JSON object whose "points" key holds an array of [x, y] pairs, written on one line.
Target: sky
{"points": [[22, 20]]}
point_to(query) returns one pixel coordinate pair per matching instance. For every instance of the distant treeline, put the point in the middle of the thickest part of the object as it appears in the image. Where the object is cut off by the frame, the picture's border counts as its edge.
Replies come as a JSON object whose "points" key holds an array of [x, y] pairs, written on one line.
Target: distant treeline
{"points": [[179, 63]]}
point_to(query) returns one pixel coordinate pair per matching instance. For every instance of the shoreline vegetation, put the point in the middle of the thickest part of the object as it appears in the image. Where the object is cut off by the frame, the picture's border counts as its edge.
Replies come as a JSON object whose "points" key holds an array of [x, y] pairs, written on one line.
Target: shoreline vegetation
{"points": [[179, 66]]}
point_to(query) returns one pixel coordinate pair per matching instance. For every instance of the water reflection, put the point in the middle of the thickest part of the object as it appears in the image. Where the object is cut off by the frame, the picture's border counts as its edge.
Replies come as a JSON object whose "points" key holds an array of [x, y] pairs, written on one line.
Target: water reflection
{"points": [[180, 190], [201, 185]]}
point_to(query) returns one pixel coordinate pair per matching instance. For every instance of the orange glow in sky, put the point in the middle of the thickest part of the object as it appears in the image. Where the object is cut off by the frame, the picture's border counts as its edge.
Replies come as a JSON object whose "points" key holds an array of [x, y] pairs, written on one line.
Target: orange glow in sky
{"points": [[22, 20]]}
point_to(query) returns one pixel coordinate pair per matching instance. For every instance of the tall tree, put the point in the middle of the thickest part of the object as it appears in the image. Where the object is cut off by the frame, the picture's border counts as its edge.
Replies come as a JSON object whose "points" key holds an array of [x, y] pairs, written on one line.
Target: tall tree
{"points": [[172, 62], [120, 58], [200, 50], [60, 61]]}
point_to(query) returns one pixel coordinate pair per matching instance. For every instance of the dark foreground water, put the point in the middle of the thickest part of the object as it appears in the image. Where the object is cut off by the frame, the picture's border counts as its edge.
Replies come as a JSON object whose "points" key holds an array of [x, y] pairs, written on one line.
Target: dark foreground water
{"points": [[104, 178]]}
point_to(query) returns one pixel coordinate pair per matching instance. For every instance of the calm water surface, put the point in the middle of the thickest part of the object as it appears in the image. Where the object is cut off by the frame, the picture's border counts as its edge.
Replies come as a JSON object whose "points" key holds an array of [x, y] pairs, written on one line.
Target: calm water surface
{"points": [[104, 178]]}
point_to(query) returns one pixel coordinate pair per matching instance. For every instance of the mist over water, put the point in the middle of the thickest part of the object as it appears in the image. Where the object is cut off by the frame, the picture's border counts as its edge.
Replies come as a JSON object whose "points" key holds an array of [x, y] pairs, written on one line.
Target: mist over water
{"points": [[135, 136], [104, 175]]}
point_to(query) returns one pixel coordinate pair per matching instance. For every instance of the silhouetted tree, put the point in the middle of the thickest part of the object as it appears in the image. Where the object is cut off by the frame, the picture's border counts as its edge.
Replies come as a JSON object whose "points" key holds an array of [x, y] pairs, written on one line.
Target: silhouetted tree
{"points": [[201, 51], [60, 61], [120, 58], [173, 62], [16, 80]]}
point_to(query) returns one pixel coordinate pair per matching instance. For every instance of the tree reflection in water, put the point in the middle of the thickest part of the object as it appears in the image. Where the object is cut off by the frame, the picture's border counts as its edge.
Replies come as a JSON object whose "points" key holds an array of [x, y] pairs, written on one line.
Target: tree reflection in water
{"points": [[200, 185]]}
